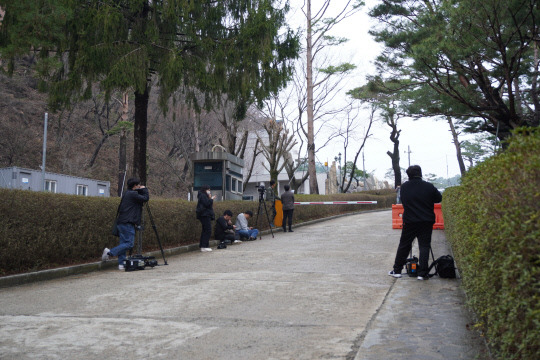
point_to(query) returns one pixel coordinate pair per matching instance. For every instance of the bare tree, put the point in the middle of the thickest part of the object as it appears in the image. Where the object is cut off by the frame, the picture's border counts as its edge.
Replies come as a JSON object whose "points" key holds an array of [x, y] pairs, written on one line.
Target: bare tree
{"points": [[317, 38], [351, 125], [278, 146]]}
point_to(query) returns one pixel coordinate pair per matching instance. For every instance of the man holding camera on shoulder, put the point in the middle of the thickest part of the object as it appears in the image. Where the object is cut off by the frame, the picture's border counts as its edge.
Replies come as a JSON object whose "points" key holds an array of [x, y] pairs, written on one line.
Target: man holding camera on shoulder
{"points": [[129, 217]]}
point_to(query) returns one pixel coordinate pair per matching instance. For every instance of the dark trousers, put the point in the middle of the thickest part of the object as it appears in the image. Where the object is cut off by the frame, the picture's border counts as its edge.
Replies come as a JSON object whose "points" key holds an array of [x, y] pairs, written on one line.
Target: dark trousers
{"points": [[422, 231], [287, 218], [227, 236], [206, 223]]}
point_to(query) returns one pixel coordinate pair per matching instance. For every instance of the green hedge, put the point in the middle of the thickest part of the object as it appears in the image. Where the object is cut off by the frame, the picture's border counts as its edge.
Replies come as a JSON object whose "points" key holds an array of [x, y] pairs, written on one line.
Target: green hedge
{"points": [[43, 230], [493, 223]]}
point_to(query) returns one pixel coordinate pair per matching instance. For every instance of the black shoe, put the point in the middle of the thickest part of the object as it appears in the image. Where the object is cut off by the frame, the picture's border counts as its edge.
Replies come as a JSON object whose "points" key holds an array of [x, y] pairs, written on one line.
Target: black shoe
{"points": [[290, 230], [284, 230]]}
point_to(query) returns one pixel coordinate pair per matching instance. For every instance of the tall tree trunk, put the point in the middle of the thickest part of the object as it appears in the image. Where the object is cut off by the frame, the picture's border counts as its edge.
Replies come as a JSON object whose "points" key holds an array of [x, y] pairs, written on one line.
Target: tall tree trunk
{"points": [[312, 169], [457, 144], [122, 149], [140, 134], [122, 161], [394, 137]]}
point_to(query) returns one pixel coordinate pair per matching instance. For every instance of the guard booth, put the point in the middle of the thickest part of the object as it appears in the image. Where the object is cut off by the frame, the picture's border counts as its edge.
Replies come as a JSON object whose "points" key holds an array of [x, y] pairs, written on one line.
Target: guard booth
{"points": [[222, 171]]}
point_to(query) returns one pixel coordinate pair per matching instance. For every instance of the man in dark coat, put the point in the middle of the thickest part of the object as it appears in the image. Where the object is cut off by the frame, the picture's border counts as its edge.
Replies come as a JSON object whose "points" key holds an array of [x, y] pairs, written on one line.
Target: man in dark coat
{"points": [[418, 198], [287, 199], [205, 214], [224, 229], [129, 217]]}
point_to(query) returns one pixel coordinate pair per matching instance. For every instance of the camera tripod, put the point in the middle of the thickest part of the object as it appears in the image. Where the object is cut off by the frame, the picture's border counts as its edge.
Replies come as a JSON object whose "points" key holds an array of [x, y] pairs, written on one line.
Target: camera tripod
{"points": [[140, 233], [262, 205]]}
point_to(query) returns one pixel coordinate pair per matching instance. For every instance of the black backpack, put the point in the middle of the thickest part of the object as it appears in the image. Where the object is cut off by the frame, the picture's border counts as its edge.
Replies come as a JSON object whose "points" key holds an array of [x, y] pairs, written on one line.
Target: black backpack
{"points": [[444, 267]]}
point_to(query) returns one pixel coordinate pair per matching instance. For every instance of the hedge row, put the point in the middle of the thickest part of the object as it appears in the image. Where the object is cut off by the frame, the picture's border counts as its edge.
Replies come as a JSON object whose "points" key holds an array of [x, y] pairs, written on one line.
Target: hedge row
{"points": [[493, 223], [42, 230]]}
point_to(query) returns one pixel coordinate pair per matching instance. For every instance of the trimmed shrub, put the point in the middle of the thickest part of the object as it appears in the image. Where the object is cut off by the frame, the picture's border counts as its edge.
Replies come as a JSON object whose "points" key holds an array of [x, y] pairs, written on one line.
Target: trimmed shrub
{"points": [[493, 223], [43, 230]]}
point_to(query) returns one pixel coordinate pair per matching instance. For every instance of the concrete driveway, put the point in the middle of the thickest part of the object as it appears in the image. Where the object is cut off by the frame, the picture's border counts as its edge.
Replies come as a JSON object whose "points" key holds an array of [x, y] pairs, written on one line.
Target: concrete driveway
{"points": [[321, 292]]}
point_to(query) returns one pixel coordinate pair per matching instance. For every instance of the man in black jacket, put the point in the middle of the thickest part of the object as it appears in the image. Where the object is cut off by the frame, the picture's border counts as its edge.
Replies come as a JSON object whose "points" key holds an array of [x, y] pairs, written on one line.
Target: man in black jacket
{"points": [[287, 199], [418, 198], [129, 217], [224, 229]]}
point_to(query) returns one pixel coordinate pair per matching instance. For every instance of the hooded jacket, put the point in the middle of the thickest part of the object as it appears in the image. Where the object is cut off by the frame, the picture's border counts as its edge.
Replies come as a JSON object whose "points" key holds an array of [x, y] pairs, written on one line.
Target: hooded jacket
{"points": [[418, 198]]}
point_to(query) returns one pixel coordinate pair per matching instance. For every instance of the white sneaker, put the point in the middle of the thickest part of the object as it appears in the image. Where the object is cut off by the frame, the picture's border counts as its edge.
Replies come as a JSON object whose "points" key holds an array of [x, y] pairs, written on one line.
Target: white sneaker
{"points": [[105, 255], [237, 241], [121, 267], [205, 249], [393, 274]]}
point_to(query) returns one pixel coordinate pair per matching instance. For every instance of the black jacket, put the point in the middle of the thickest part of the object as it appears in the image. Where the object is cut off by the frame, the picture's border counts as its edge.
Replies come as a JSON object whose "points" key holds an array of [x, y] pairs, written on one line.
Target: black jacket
{"points": [[221, 226], [204, 205], [418, 198], [287, 199], [131, 206]]}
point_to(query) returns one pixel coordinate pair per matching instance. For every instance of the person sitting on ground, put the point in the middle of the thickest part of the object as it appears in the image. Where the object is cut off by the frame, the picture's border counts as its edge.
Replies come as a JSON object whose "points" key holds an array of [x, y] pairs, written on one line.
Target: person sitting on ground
{"points": [[224, 229], [242, 228]]}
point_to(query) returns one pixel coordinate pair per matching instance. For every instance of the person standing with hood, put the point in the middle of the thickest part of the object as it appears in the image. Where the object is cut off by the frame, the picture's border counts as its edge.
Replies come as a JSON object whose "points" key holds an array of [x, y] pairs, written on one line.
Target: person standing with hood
{"points": [[205, 214], [418, 198]]}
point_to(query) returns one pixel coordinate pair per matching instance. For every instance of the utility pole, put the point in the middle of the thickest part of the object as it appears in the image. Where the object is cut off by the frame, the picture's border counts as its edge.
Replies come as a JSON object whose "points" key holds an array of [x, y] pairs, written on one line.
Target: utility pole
{"points": [[409, 153], [44, 152], [364, 170]]}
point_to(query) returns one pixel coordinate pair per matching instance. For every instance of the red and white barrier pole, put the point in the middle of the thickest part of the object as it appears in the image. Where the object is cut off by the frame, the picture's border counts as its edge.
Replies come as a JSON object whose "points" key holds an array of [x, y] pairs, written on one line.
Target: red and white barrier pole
{"points": [[335, 202]]}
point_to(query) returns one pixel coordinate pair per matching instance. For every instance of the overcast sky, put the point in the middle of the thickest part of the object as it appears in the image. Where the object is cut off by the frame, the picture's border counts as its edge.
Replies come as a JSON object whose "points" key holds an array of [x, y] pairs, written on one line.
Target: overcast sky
{"points": [[430, 141]]}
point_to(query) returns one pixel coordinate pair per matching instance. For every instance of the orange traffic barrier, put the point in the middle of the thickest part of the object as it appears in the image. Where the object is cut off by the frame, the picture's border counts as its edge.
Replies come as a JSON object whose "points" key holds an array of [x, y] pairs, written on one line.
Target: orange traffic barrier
{"points": [[439, 221], [397, 217]]}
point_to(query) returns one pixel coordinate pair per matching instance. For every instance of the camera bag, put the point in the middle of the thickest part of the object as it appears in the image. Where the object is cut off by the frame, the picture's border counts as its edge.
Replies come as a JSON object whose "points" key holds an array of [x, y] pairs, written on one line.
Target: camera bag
{"points": [[444, 267]]}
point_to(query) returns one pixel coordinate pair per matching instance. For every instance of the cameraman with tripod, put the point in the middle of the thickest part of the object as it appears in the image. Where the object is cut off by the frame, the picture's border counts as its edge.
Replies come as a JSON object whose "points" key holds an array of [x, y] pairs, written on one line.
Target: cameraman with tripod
{"points": [[129, 217], [272, 197]]}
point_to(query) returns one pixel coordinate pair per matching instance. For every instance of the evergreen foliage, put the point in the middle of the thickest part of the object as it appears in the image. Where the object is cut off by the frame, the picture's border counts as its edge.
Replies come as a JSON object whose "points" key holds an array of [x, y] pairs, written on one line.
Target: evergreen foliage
{"points": [[241, 48], [477, 66], [493, 223]]}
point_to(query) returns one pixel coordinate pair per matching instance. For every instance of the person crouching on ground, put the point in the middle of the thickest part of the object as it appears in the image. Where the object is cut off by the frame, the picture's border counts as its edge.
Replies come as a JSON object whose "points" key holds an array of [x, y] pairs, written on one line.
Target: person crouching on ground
{"points": [[205, 214], [129, 217], [242, 228], [224, 229], [287, 199], [418, 198]]}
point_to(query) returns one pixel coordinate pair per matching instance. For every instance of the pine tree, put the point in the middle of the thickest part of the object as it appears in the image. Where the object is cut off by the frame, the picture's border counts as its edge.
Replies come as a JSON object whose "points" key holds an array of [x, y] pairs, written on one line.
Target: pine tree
{"points": [[204, 48]]}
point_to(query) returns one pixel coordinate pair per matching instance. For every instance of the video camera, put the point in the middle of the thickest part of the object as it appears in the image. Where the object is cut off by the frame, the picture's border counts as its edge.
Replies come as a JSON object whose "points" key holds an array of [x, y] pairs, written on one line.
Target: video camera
{"points": [[261, 189], [139, 262]]}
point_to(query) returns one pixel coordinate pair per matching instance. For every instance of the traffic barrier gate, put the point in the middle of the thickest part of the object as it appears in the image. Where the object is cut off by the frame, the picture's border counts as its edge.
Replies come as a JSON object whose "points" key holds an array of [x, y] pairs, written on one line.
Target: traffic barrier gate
{"points": [[397, 217]]}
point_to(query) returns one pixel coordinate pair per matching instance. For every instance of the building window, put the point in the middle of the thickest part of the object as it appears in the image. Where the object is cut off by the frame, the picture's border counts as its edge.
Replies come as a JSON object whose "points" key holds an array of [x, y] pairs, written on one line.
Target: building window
{"points": [[82, 190], [228, 183], [50, 186], [234, 182]]}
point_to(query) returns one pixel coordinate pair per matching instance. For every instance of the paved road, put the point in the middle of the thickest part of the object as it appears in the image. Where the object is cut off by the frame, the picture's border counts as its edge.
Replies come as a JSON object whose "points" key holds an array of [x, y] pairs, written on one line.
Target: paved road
{"points": [[321, 292]]}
